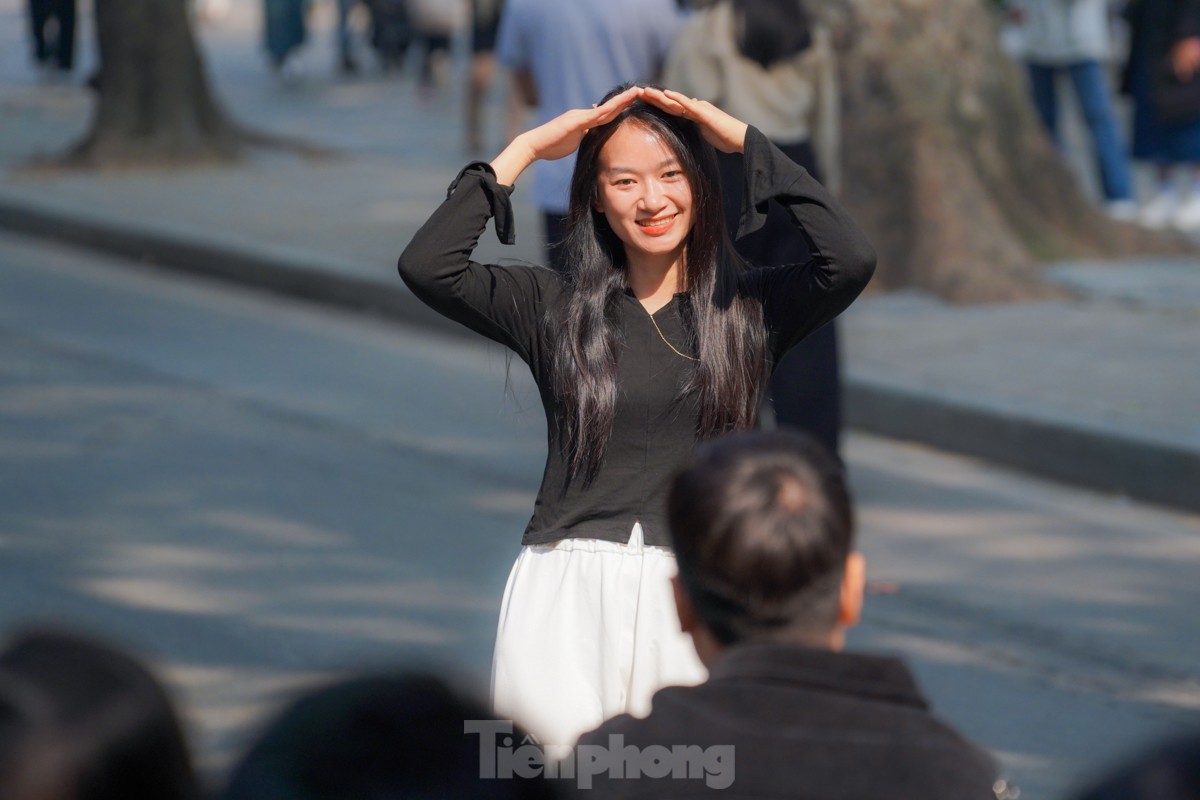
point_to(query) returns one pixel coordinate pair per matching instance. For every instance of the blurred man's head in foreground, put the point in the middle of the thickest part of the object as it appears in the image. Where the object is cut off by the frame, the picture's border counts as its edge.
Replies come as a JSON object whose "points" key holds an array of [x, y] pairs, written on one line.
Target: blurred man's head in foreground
{"points": [[763, 529]]}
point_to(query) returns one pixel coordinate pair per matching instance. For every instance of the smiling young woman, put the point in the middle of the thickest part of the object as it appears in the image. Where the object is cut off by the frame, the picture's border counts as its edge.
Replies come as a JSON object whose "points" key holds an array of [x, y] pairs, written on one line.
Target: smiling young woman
{"points": [[656, 338], [646, 199]]}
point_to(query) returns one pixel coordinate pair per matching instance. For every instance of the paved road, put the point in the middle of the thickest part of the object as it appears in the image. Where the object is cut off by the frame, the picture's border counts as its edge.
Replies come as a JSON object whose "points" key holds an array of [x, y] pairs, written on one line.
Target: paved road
{"points": [[1091, 389], [257, 493], [247, 489]]}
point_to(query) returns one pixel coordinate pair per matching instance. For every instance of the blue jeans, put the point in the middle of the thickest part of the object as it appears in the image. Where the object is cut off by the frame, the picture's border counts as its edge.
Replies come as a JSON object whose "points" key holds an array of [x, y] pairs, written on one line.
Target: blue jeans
{"points": [[1091, 87], [344, 39]]}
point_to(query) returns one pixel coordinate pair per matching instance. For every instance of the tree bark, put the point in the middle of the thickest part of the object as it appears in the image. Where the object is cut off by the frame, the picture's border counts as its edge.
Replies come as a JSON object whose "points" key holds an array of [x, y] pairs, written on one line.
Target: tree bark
{"points": [[155, 106], [946, 164]]}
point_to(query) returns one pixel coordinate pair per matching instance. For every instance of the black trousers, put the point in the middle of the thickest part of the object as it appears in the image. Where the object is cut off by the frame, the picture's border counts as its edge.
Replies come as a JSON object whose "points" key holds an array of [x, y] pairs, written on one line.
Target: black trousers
{"points": [[63, 47], [806, 390], [556, 230]]}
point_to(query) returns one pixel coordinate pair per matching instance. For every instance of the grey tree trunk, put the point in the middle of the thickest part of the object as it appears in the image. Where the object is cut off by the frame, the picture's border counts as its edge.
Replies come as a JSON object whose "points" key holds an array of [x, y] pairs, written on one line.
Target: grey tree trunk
{"points": [[155, 106]]}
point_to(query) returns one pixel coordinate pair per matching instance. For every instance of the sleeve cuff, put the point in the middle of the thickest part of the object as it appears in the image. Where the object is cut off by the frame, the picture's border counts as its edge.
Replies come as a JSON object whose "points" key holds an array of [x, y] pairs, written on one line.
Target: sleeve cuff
{"points": [[768, 174], [497, 196]]}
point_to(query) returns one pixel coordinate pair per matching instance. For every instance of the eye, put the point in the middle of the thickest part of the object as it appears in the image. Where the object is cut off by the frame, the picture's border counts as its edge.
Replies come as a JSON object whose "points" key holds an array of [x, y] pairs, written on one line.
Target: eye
{"points": [[623, 182], [673, 174]]}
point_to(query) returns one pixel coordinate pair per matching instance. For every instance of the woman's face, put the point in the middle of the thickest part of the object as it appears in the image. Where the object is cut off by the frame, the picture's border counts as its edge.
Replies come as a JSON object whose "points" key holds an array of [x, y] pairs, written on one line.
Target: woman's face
{"points": [[643, 193]]}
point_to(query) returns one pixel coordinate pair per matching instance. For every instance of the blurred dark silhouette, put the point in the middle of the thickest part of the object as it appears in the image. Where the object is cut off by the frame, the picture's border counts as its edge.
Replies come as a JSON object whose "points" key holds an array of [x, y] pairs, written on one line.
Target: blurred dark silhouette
{"points": [[485, 25], [53, 27], [375, 737], [284, 29], [1163, 77], [1168, 772], [347, 62], [434, 24], [81, 720], [391, 32]]}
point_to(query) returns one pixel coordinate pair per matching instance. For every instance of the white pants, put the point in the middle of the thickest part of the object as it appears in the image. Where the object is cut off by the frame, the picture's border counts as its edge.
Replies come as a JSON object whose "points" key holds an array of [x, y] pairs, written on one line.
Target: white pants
{"points": [[588, 630]]}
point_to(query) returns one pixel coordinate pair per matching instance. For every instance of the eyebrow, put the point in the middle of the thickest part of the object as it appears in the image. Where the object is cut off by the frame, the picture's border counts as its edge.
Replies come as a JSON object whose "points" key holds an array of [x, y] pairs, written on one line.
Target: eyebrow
{"points": [[665, 163]]}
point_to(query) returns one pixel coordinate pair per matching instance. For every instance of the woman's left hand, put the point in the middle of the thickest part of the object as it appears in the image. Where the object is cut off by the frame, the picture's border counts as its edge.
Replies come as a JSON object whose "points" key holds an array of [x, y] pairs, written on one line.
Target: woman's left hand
{"points": [[722, 131]]}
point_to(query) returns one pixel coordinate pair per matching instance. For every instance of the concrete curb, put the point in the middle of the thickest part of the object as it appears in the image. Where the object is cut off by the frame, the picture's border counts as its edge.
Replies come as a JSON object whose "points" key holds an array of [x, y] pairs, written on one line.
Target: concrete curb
{"points": [[280, 270], [1096, 459]]}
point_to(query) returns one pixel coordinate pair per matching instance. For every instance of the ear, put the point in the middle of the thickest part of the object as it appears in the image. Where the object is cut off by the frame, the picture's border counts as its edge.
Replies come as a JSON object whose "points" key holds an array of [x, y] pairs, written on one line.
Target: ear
{"points": [[683, 606], [850, 599]]}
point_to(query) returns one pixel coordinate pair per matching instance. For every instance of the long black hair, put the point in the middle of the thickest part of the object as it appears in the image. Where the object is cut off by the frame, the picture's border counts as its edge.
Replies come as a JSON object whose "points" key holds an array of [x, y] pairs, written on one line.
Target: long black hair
{"points": [[767, 31], [725, 329]]}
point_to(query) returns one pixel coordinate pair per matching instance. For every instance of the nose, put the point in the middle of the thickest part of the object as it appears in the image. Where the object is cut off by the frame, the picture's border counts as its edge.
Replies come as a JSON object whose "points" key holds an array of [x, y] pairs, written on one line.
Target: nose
{"points": [[653, 197]]}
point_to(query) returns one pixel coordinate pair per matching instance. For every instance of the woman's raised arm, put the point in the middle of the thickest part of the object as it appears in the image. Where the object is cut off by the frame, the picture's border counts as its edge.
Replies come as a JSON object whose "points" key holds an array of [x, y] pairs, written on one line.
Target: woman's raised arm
{"points": [[559, 137]]}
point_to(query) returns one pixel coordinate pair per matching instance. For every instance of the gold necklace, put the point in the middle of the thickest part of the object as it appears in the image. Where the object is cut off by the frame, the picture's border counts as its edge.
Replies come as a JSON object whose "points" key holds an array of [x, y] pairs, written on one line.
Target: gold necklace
{"points": [[668, 344]]}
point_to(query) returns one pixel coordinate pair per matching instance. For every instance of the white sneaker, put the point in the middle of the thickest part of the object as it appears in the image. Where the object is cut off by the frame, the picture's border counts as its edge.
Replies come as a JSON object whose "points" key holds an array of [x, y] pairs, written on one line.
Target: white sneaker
{"points": [[1187, 216], [1160, 211], [1122, 210]]}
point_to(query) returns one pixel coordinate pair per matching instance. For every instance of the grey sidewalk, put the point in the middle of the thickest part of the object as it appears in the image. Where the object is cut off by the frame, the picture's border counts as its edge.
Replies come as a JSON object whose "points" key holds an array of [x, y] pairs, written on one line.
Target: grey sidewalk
{"points": [[1102, 390]]}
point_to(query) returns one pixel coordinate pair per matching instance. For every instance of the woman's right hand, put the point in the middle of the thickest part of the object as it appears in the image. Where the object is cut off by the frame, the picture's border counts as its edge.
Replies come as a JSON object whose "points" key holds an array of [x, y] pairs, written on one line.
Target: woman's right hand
{"points": [[559, 137]]}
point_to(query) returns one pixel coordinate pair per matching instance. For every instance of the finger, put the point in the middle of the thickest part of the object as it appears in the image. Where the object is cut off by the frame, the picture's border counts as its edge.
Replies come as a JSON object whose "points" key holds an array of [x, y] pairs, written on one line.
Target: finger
{"points": [[698, 110], [624, 98], [617, 101], [604, 115], [681, 98], [688, 107], [616, 105], [657, 98]]}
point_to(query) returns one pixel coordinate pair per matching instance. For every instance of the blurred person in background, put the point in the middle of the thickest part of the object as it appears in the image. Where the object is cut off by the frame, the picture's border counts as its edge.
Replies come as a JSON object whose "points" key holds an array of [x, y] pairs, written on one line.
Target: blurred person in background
{"points": [[1071, 38], [376, 737], [769, 581], [434, 25], [1161, 76], [564, 55], [53, 26], [485, 24], [347, 63], [768, 63], [391, 32], [284, 30], [81, 720]]}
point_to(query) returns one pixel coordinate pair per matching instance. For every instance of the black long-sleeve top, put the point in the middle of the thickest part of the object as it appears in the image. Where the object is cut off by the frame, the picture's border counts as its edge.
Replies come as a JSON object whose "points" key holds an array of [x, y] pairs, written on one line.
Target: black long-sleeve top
{"points": [[656, 426], [1158, 25]]}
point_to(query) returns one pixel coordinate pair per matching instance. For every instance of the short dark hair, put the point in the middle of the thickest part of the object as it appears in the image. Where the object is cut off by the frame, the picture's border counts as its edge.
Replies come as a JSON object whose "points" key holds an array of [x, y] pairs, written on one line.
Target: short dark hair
{"points": [[769, 31], [762, 524]]}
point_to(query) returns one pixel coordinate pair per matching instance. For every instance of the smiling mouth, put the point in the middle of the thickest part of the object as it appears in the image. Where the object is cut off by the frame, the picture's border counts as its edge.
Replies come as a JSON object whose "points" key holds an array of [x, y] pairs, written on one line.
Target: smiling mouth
{"points": [[657, 225]]}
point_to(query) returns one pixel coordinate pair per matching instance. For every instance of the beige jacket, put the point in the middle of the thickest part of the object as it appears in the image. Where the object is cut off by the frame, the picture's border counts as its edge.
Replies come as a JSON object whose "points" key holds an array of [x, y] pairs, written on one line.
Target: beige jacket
{"points": [[793, 101]]}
